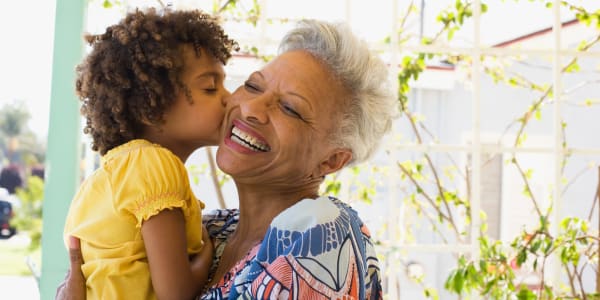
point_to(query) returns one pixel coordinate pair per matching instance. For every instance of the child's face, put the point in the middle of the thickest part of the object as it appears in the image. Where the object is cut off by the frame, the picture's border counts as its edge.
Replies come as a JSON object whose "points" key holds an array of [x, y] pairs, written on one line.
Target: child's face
{"points": [[189, 126]]}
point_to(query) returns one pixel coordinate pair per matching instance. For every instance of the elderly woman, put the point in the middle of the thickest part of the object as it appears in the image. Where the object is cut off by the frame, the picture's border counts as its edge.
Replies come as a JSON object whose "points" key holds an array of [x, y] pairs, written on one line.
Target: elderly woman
{"points": [[322, 104]]}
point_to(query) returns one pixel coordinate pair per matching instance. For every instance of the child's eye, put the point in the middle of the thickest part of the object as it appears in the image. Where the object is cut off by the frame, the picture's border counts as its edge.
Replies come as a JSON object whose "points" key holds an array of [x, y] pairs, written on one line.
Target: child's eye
{"points": [[210, 91]]}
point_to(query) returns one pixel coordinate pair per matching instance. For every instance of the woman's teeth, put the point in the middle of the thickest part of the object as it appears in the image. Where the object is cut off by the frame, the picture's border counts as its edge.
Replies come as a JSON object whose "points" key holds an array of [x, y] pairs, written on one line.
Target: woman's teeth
{"points": [[248, 141]]}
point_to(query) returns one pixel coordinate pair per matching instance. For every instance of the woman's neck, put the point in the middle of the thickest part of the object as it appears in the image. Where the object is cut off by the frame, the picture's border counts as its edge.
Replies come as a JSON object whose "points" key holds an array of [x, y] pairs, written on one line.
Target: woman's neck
{"points": [[260, 204]]}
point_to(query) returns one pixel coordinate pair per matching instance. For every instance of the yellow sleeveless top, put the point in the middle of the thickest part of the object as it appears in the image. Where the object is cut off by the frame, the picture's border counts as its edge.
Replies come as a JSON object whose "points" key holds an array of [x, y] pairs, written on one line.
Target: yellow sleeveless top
{"points": [[136, 181]]}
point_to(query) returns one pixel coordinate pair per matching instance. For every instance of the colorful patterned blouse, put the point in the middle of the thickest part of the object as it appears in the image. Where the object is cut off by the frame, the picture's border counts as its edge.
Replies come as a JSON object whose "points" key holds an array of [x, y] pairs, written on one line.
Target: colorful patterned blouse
{"points": [[316, 249]]}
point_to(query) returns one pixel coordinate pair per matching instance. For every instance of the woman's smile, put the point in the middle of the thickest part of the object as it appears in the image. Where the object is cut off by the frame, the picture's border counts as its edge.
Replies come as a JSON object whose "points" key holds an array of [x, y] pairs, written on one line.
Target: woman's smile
{"points": [[247, 138]]}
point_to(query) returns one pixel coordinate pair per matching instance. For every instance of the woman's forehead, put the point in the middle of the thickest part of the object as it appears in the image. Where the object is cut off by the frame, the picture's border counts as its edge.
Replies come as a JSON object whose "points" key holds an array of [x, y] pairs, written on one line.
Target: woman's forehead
{"points": [[301, 72], [299, 60]]}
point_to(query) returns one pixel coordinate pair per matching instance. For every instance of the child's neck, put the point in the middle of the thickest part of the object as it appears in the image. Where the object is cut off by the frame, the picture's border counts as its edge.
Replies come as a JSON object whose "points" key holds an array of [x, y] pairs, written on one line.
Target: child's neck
{"points": [[181, 151], [182, 156]]}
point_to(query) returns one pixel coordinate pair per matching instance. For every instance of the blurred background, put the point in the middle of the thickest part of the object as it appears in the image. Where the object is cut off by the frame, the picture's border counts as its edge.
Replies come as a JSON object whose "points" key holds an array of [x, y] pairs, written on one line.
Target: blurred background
{"points": [[487, 188]]}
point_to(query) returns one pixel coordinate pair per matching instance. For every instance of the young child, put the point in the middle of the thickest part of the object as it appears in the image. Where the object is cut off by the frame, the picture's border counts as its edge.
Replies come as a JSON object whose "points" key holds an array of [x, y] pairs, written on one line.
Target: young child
{"points": [[152, 92]]}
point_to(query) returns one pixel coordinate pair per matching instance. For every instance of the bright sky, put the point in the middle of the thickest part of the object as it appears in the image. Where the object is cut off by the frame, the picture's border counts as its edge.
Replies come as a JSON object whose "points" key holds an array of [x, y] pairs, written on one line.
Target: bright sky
{"points": [[27, 31], [26, 28]]}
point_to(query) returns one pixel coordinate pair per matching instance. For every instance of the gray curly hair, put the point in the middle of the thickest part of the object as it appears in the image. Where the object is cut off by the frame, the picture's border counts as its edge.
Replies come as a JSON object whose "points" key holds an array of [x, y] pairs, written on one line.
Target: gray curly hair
{"points": [[371, 107]]}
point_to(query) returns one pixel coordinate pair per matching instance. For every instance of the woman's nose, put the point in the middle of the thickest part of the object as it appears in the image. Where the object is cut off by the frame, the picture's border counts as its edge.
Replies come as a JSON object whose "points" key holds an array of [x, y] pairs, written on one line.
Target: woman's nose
{"points": [[256, 109]]}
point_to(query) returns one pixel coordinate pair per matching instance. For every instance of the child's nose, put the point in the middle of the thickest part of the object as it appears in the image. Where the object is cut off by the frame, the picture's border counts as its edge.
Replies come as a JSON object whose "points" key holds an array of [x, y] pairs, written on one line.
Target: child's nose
{"points": [[225, 97]]}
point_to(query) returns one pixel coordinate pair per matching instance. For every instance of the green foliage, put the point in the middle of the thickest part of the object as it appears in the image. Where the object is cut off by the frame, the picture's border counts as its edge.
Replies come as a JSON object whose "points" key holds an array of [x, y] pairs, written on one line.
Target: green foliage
{"points": [[491, 275], [234, 9], [17, 143], [332, 186], [195, 171], [28, 216], [354, 184], [13, 118], [496, 271], [454, 17], [12, 260], [108, 4]]}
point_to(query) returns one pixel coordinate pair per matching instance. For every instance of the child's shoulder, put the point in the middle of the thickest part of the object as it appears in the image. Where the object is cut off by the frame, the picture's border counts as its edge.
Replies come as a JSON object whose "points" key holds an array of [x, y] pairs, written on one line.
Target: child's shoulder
{"points": [[143, 158], [138, 147]]}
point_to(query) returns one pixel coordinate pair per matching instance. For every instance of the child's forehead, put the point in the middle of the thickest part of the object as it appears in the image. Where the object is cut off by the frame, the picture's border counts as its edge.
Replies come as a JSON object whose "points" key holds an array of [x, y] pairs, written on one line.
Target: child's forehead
{"points": [[202, 51], [192, 51], [201, 61]]}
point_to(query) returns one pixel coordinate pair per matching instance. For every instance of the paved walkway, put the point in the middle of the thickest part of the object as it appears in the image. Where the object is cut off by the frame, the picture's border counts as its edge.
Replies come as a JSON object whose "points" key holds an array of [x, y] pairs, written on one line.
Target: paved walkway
{"points": [[15, 287], [18, 288]]}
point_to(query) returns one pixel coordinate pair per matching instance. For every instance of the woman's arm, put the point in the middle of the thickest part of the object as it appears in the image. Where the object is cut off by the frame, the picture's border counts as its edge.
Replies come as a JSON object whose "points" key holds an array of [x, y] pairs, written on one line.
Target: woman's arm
{"points": [[173, 275]]}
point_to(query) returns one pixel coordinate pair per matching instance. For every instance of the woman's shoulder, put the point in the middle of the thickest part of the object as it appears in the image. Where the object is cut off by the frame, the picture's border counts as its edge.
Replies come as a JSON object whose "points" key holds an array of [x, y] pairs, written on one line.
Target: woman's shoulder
{"points": [[325, 243], [313, 227], [309, 213]]}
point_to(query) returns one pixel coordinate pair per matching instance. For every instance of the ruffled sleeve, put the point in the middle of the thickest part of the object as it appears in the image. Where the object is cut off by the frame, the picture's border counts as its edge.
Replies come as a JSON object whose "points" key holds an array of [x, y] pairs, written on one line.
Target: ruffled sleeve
{"points": [[148, 179]]}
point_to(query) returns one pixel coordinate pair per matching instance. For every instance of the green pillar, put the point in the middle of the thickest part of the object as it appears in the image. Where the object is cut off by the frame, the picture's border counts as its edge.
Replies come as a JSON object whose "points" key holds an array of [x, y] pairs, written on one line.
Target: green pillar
{"points": [[62, 158]]}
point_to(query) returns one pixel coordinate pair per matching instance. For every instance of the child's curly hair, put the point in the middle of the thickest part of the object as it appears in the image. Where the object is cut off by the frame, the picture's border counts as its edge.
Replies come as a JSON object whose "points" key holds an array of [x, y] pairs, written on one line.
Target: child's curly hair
{"points": [[132, 74]]}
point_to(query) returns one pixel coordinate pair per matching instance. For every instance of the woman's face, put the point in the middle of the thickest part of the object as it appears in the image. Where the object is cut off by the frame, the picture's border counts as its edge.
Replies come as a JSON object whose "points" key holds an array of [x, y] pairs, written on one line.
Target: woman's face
{"points": [[278, 123]]}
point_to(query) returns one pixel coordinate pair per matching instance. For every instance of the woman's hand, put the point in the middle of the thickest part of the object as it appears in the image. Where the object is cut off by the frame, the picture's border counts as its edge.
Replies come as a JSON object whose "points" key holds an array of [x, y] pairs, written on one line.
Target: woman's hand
{"points": [[73, 287]]}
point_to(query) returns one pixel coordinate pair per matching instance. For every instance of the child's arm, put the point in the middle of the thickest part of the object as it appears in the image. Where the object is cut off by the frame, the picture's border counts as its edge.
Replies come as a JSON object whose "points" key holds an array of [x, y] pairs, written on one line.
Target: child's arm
{"points": [[173, 276], [73, 286], [203, 261]]}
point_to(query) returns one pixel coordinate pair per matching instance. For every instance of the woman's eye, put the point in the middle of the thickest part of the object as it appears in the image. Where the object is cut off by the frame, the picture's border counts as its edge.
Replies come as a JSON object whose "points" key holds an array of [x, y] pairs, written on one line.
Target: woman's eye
{"points": [[290, 111], [250, 87], [210, 91]]}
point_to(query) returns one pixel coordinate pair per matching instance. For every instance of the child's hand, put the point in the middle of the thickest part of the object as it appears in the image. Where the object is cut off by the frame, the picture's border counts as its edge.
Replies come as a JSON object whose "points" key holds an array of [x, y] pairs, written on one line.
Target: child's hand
{"points": [[203, 260], [208, 244]]}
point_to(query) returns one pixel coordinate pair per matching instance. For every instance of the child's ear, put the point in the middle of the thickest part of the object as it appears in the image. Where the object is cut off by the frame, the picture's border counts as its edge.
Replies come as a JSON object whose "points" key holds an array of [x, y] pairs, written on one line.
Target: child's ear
{"points": [[150, 126], [336, 160], [146, 122]]}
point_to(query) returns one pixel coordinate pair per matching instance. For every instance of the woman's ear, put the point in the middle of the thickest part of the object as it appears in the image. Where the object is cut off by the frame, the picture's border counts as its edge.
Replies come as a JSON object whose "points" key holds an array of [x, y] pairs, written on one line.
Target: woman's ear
{"points": [[335, 161]]}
